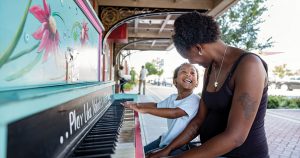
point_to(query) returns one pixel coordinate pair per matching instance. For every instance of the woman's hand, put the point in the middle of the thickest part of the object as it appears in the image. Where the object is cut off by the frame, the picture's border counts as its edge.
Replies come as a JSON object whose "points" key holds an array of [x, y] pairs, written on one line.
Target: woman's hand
{"points": [[160, 153]]}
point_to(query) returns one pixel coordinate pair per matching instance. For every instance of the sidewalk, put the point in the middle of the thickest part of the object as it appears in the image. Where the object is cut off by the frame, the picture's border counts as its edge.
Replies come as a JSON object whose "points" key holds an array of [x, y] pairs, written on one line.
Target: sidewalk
{"points": [[283, 133]]}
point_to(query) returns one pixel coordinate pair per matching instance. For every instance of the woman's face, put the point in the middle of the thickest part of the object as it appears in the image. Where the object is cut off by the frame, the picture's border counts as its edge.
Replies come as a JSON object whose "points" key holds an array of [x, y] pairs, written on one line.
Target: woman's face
{"points": [[195, 56], [187, 77]]}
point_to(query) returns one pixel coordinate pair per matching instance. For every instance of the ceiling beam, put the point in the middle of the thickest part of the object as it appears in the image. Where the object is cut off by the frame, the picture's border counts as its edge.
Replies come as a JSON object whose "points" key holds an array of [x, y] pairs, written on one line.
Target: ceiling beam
{"points": [[159, 17], [153, 26], [153, 42], [138, 47], [186, 4], [221, 6], [170, 47], [141, 29], [164, 23], [150, 35]]}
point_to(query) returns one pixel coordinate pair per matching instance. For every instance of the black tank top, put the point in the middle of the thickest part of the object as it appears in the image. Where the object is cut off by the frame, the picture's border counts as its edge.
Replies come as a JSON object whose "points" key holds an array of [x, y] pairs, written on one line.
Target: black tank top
{"points": [[218, 107]]}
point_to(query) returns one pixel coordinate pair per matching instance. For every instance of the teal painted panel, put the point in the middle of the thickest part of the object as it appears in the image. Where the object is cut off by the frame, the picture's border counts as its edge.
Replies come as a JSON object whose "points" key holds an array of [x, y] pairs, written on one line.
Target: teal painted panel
{"points": [[30, 102], [46, 42]]}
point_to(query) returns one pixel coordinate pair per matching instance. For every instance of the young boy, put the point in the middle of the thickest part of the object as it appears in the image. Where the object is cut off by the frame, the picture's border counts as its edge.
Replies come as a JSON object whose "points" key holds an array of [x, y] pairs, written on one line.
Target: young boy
{"points": [[178, 108]]}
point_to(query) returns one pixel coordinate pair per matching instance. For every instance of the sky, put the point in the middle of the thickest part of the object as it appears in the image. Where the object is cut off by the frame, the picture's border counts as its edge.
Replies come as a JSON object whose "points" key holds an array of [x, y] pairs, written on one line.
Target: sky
{"points": [[282, 23]]}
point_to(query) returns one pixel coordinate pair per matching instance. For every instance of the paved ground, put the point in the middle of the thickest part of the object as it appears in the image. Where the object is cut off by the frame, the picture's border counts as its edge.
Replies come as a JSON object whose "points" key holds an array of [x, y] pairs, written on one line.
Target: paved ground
{"points": [[283, 133], [282, 126]]}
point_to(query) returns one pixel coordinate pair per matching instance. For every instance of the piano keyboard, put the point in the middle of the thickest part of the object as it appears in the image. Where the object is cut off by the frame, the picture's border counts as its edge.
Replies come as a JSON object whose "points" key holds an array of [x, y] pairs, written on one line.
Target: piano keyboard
{"points": [[112, 136]]}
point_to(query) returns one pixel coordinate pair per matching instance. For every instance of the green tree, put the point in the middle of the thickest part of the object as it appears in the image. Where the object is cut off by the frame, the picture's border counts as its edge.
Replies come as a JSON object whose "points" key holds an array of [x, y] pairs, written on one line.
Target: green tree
{"points": [[132, 74], [152, 70], [240, 25], [160, 72], [282, 71]]}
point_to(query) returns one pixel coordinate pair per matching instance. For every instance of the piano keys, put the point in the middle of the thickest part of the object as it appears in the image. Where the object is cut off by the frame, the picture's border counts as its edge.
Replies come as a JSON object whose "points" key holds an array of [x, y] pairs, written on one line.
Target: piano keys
{"points": [[102, 140]]}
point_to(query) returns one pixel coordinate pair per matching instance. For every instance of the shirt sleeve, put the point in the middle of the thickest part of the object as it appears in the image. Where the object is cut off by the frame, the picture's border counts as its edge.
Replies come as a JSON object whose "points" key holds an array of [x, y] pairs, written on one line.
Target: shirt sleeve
{"points": [[165, 103], [190, 105]]}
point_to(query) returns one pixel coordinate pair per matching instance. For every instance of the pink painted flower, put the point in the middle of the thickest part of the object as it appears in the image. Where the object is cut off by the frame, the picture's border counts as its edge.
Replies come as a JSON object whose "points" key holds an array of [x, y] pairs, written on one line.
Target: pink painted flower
{"points": [[84, 33], [47, 33]]}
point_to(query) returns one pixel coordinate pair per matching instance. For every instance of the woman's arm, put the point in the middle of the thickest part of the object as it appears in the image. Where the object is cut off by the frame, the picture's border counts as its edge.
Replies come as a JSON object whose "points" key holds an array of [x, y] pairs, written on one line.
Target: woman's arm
{"points": [[151, 108], [249, 84]]}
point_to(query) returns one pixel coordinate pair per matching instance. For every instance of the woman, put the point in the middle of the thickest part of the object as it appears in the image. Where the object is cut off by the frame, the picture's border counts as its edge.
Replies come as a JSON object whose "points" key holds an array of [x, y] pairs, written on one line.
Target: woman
{"points": [[230, 119], [178, 108]]}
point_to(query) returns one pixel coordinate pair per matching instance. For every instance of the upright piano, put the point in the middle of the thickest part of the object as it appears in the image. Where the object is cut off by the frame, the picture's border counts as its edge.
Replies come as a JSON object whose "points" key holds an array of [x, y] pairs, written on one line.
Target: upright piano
{"points": [[95, 125]]}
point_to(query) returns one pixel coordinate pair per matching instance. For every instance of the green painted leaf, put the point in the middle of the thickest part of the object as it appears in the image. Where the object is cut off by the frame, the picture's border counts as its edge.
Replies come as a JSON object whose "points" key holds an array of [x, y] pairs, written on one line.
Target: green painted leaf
{"points": [[8, 52], [26, 69], [76, 28], [23, 52]]}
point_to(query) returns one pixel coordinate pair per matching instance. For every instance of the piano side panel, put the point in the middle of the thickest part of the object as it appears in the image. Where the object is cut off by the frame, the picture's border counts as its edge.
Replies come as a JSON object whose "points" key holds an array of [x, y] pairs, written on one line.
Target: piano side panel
{"points": [[32, 65], [40, 50], [50, 133]]}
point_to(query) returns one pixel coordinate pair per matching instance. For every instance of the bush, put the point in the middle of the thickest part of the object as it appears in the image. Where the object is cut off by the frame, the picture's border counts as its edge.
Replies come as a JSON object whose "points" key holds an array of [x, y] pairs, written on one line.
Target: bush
{"points": [[297, 101], [129, 85], [275, 102]]}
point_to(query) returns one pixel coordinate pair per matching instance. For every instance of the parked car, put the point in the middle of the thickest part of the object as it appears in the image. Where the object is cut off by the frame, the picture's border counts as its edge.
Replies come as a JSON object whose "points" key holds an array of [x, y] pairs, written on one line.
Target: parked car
{"points": [[167, 82], [274, 84], [289, 83]]}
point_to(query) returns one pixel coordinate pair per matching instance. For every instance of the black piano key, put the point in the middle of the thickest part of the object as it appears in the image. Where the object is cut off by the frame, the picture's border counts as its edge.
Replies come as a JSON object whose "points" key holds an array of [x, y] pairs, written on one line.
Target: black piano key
{"points": [[100, 139], [93, 146], [110, 142], [102, 135]]}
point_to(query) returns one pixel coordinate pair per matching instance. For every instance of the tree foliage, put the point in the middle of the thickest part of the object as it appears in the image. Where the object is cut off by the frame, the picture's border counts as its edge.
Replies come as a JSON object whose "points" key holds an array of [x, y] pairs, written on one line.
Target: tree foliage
{"points": [[132, 74], [153, 69], [240, 25], [160, 72], [282, 71]]}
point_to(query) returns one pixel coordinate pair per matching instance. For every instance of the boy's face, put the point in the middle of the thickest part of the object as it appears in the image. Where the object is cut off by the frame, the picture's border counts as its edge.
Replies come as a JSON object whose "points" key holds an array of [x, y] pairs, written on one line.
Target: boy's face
{"points": [[186, 78]]}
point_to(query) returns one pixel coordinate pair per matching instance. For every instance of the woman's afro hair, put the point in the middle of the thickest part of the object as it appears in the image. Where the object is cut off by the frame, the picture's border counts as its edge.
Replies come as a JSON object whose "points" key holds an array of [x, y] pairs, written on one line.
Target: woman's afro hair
{"points": [[194, 28]]}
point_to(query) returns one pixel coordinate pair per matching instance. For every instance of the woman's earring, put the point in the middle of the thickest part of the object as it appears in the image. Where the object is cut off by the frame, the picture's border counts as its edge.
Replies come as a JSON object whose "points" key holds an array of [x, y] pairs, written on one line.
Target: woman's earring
{"points": [[200, 53]]}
